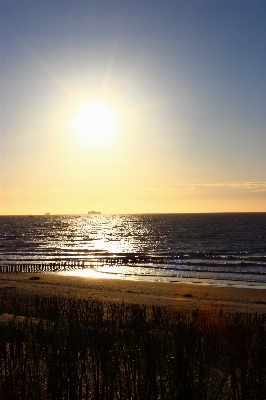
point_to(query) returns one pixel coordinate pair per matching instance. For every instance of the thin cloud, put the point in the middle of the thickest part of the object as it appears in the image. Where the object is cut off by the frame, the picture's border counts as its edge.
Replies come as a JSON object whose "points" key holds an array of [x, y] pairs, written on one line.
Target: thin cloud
{"points": [[261, 186], [251, 186], [15, 193]]}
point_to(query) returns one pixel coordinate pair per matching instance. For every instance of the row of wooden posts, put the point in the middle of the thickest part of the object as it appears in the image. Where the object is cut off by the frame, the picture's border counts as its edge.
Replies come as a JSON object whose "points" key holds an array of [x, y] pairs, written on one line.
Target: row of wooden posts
{"points": [[70, 264], [40, 267]]}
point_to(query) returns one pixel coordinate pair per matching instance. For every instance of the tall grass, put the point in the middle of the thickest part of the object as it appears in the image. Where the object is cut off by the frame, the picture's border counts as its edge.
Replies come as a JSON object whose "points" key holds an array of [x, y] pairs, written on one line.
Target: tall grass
{"points": [[55, 348]]}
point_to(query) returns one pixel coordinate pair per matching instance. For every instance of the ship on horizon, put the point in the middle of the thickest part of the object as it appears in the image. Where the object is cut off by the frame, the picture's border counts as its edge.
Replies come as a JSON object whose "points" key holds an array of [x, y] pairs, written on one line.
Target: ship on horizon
{"points": [[94, 212]]}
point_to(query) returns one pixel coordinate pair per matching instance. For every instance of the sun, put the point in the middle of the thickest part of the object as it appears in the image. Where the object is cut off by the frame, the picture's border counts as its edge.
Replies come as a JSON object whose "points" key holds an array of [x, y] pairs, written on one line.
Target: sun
{"points": [[95, 122]]}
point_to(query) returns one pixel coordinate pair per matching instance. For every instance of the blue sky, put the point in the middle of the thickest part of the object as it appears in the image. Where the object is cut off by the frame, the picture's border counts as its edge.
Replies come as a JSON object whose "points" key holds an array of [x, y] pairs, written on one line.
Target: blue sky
{"points": [[186, 80]]}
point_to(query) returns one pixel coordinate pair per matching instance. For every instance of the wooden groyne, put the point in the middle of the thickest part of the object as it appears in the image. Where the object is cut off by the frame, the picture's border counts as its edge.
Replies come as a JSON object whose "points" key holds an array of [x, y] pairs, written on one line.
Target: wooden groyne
{"points": [[70, 265], [40, 267]]}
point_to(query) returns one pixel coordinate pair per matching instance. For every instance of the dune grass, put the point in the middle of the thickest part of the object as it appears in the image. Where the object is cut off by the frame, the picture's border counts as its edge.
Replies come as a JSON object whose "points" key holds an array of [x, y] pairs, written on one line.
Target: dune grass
{"points": [[55, 348]]}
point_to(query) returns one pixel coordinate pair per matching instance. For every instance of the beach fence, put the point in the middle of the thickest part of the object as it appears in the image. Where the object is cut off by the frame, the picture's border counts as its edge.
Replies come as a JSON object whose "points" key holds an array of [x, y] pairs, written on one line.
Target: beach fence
{"points": [[41, 267], [71, 265]]}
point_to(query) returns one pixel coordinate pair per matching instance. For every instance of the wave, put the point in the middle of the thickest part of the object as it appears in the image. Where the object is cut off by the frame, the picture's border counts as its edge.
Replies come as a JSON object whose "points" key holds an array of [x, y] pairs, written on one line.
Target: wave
{"points": [[142, 245]]}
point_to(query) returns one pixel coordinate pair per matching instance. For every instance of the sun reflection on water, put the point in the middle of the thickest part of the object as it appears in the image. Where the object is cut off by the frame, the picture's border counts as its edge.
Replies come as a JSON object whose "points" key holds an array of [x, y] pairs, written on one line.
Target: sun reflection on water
{"points": [[90, 273]]}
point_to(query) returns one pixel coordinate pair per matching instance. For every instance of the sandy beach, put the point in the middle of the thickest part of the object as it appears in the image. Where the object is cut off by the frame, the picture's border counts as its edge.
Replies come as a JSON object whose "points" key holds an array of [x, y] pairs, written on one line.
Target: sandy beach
{"points": [[180, 296]]}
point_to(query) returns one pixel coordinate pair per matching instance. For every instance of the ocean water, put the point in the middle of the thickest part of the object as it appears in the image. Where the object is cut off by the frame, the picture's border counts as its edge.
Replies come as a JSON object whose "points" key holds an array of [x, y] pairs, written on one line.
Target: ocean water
{"points": [[227, 248]]}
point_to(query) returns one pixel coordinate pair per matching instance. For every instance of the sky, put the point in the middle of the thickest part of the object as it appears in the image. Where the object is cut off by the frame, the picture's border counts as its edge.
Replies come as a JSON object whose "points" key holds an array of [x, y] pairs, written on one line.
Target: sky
{"points": [[184, 81]]}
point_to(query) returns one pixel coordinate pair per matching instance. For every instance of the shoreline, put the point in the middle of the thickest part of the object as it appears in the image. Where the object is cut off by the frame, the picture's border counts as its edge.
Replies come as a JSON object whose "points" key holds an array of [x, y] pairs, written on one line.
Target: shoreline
{"points": [[181, 296]]}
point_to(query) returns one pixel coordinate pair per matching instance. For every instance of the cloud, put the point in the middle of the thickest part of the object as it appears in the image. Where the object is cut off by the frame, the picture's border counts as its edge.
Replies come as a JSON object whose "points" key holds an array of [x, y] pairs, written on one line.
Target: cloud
{"points": [[254, 186], [249, 186], [18, 193]]}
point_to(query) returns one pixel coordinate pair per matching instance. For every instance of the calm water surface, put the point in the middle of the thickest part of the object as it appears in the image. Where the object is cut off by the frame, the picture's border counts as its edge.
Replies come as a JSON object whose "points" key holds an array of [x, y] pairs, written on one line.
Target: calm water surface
{"points": [[217, 248]]}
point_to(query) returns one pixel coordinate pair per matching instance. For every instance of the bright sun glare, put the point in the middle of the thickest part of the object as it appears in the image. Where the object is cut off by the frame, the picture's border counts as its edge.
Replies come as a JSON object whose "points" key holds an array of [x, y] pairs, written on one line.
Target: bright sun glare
{"points": [[95, 122]]}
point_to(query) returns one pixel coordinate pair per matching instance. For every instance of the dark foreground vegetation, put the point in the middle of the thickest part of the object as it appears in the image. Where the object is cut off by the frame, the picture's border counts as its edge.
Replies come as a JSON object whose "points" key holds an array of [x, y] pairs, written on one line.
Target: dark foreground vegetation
{"points": [[54, 348]]}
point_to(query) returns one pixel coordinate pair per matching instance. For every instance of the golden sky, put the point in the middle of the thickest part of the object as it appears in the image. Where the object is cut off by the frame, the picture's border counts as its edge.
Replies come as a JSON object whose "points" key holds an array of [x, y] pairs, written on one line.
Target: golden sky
{"points": [[132, 107]]}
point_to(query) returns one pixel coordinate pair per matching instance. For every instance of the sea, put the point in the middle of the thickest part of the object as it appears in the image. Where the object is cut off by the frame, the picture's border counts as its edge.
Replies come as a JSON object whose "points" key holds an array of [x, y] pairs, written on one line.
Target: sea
{"points": [[220, 249]]}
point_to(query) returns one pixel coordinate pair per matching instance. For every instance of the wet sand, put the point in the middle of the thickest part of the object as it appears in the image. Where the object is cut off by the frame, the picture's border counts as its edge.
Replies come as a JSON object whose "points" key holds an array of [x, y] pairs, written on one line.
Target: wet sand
{"points": [[180, 296]]}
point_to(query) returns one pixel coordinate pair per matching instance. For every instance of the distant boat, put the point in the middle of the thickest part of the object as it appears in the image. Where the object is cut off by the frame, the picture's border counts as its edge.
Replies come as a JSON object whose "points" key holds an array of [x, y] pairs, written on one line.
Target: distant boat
{"points": [[93, 212], [47, 213]]}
